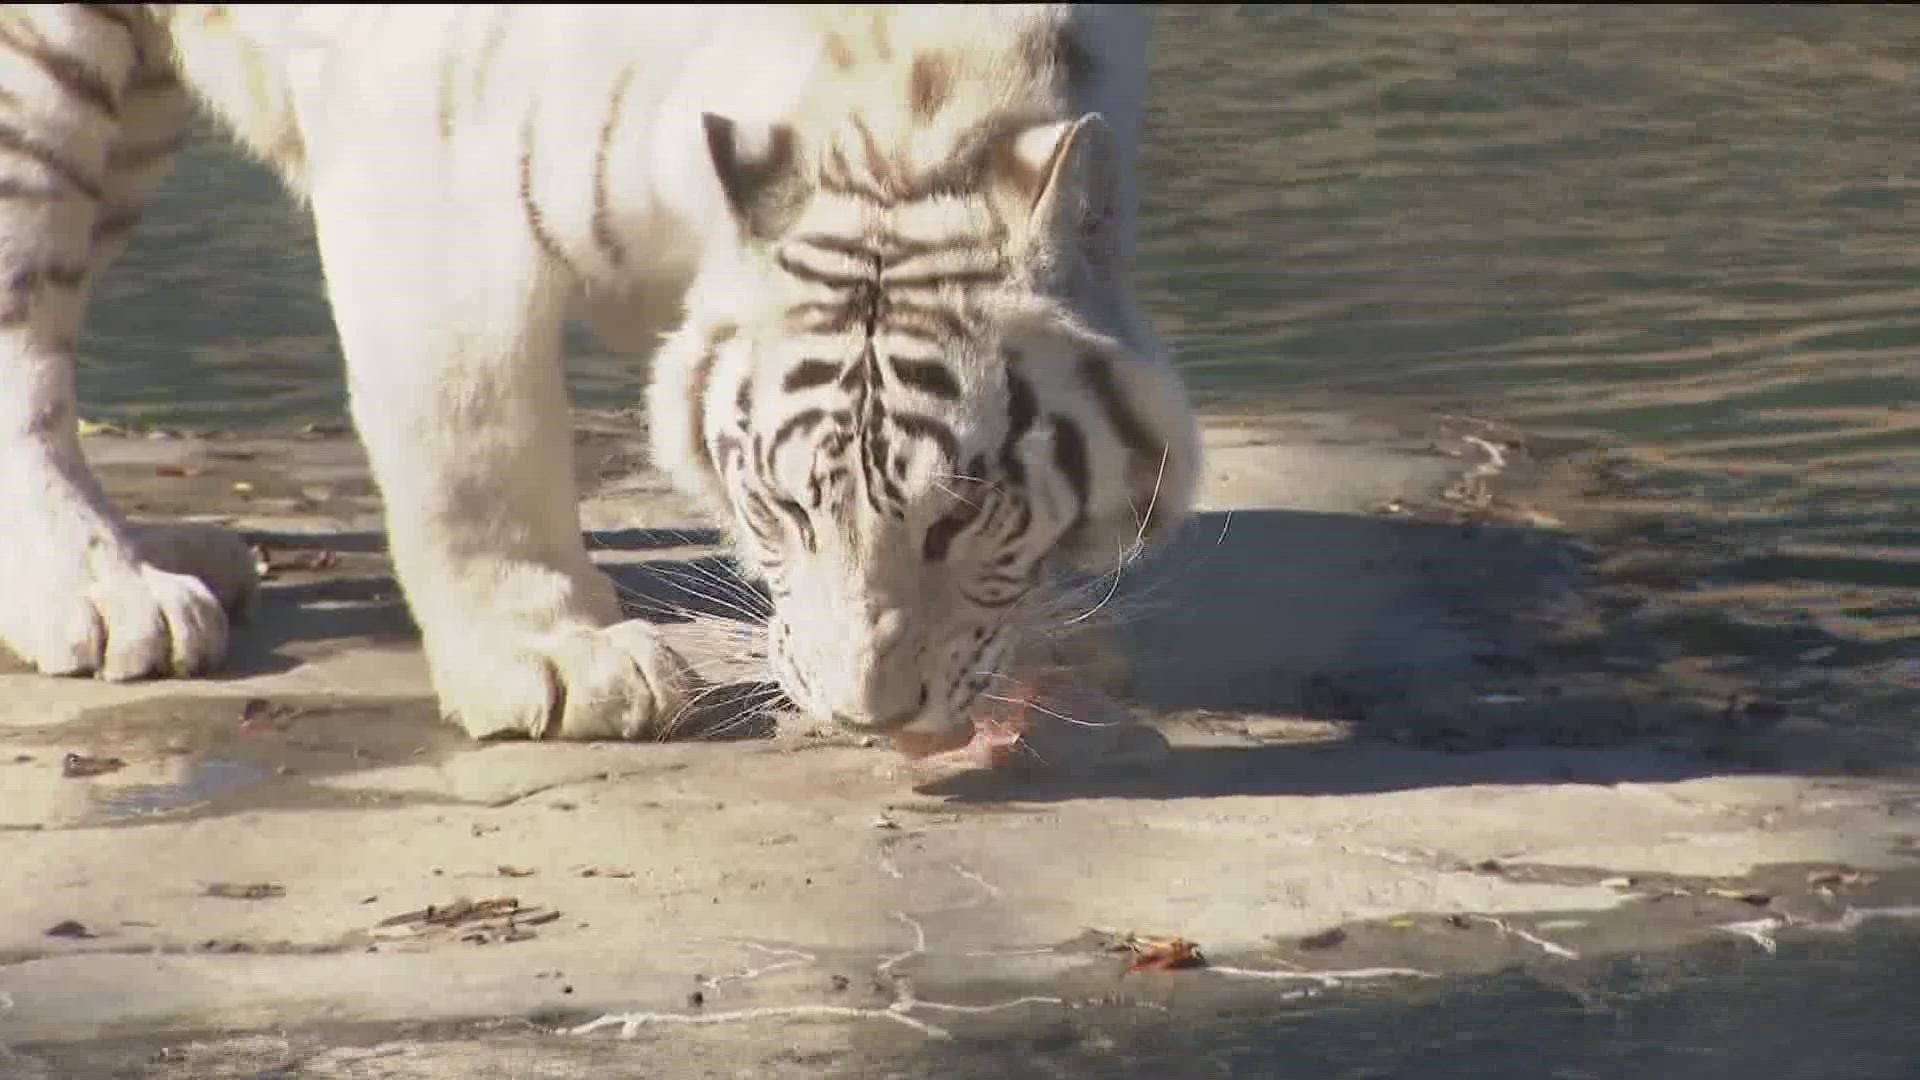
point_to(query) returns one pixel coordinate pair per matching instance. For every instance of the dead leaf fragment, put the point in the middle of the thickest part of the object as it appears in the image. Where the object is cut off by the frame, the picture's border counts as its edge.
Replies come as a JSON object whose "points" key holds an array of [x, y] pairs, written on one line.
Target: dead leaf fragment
{"points": [[266, 563], [479, 922], [506, 870], [1756, 899], [1151, 953], [1326, 939], [259, 890], [75, 766], [1839, 875]]}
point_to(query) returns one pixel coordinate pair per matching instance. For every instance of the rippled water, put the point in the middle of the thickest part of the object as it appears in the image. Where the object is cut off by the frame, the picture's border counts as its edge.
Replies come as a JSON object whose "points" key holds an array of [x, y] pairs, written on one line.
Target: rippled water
{"points": [[1691, 235]]}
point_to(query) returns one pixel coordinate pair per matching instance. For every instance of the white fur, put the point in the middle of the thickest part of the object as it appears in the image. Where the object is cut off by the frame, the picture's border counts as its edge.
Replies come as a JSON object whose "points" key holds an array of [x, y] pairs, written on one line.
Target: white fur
{"points": [[405, 128]]}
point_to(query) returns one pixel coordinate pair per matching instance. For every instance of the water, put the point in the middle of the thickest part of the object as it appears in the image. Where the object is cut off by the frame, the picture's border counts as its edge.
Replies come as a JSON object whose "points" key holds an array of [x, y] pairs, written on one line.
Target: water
{"points": [[1690, 238]]}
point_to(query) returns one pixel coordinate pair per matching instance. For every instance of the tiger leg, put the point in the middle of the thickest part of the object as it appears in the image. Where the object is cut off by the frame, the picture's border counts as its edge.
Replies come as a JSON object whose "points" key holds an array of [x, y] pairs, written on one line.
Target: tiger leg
{"points": [[88, 120], [450, 321]]}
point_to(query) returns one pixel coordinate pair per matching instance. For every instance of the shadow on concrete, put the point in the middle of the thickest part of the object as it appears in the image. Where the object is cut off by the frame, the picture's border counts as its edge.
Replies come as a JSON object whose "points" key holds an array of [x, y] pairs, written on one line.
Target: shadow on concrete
{"points": [[1344, 768], [1411, 634]]}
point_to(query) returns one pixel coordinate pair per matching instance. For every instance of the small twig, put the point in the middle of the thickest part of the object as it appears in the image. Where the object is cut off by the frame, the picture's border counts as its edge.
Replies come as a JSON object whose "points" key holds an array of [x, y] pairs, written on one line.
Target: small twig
{"points": [[631, 1023], [1548, 947], [1758, 931], [1324, 978]]}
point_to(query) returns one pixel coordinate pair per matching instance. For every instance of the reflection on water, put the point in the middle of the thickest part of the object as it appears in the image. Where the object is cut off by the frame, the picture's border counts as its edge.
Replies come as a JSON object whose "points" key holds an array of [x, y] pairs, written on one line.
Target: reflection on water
{"points": [[1690, 237]]}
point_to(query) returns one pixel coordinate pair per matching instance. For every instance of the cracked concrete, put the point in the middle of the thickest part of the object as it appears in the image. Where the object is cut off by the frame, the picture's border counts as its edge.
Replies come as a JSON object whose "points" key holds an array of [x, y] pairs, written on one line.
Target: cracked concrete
{"points": [[1338, 778]]}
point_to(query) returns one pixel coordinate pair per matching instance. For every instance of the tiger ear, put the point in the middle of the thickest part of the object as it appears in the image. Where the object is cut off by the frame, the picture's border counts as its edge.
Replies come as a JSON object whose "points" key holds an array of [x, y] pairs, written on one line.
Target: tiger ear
{"points": [[762, 183], [1056, 181]]}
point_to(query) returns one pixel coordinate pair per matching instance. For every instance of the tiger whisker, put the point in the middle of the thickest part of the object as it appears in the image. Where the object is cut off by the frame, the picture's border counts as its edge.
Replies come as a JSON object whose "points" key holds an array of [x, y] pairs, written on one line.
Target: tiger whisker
{"points": [[735, 587], [1037, 707], [691, 589], [1114, 588], [748, 703]]}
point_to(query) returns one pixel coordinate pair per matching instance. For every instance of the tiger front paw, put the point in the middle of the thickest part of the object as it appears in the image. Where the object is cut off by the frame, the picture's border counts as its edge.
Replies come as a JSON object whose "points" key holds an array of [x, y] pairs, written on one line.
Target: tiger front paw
{"points": [[153, 606], [573, 682]]}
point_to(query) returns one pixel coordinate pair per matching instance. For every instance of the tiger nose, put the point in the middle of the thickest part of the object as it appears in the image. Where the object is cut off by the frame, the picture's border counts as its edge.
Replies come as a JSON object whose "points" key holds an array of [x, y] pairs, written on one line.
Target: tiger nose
{"points": [[867, 719]]}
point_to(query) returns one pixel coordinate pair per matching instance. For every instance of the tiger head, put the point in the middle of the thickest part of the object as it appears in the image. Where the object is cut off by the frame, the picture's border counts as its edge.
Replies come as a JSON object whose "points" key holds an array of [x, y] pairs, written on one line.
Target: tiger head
{"points": [[917, 398]]}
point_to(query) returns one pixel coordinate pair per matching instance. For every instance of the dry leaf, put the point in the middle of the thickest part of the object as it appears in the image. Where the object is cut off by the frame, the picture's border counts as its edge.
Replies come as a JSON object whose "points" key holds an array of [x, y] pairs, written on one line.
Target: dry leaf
{"points": [[514, 871], [1840, 875], [266, 564], [74, 766], [264, 890], [477, 921], [1325, 939], [1162, 953]]}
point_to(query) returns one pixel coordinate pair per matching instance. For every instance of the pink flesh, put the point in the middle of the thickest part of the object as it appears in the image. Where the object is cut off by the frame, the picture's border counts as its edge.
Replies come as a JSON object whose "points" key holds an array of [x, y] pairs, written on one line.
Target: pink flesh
{"points": [[996, 731]]}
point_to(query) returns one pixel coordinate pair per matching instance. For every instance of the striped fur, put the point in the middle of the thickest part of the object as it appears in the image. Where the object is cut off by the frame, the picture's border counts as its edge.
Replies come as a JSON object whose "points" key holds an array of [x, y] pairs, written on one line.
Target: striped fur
{"points": [[885, 280]]}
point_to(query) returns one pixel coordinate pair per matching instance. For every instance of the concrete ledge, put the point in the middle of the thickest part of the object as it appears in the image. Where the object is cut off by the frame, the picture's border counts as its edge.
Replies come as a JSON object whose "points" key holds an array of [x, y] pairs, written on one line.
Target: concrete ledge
{"points": [[1313, 660]]}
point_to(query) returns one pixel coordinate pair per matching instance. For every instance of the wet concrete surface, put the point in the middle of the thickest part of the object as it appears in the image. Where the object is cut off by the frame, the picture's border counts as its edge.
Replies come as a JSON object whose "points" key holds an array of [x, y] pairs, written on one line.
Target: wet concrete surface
{"points": [[1347, 760]]}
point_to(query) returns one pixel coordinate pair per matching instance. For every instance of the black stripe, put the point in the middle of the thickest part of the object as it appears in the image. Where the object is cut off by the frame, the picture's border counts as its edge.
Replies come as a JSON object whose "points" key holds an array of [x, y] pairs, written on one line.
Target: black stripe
{"points": [[119, 18], [798, 423], [889, 249], [898, 313], [830, 279], [19, 142], [697, 395], [808, 374], [603, 233], [489, 51], [142, 154], [63, 277], [933, 429], [920, 332], [838, 245], [941, 534], [448, 59], [1127, 425], [991, 601], [820, 317], [11, 189], [1070, 457], [1021, 411], [529, 208], [934, 279], [848, 188], [114, 224], [801, 523], [153, 80], [72, 74], [930, 377], [743, 400]]}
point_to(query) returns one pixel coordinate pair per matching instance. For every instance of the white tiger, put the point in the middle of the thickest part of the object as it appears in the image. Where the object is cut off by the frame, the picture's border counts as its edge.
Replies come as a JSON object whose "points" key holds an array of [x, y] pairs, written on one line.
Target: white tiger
{"points": [[881, 256]]}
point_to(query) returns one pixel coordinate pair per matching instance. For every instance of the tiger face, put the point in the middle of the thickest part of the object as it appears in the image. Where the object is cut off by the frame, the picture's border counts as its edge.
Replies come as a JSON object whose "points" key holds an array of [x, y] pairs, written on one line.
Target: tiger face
{"points": [[916, 405]]}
